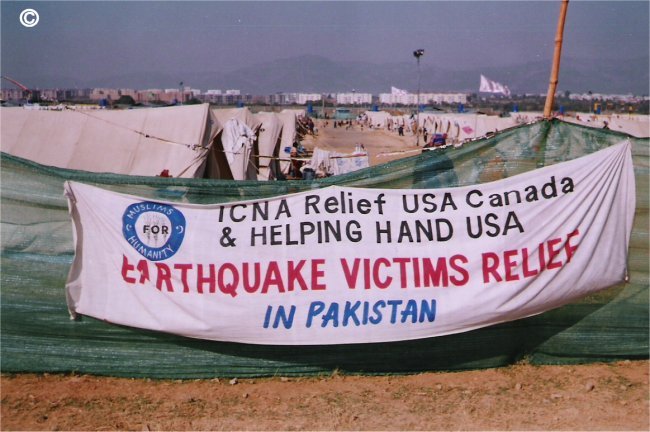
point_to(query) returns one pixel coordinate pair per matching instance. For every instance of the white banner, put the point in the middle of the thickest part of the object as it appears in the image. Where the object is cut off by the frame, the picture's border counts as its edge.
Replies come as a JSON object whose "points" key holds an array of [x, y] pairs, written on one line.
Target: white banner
{"points": [[346, 265]]}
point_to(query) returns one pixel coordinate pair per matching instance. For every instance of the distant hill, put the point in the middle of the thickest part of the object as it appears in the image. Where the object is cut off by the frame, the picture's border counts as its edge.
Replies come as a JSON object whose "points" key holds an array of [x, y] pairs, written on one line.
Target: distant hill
{"points": [[310, 73]]}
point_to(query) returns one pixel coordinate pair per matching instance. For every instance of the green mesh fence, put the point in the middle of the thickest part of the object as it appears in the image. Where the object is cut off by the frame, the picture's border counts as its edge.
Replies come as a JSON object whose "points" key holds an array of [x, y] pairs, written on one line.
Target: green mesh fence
{"points": [[37, 250]]}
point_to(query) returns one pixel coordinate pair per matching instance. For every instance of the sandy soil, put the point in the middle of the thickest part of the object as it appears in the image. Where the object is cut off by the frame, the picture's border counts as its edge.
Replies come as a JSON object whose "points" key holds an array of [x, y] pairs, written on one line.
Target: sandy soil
{"points": [[521, 397], [382, 146]]}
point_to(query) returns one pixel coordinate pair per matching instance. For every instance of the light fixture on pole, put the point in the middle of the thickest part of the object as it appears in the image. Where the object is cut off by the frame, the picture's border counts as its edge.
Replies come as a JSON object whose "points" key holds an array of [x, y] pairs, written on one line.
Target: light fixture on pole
{"points": [[417, 54]]}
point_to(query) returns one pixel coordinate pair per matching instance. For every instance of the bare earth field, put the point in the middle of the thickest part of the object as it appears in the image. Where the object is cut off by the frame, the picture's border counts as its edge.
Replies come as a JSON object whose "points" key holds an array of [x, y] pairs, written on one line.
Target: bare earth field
{"points": [[521, 397], [382, 146]]}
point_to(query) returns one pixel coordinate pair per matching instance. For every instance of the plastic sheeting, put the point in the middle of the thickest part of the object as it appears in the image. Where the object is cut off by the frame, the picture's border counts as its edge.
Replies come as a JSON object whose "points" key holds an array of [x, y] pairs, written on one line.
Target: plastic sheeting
{"points": [[37, 335]]}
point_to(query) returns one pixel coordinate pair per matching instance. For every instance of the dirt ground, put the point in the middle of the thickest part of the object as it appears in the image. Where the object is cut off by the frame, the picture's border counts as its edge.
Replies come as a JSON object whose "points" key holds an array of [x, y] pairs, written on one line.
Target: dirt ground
{"points": [[382, 146], [520, 397]]}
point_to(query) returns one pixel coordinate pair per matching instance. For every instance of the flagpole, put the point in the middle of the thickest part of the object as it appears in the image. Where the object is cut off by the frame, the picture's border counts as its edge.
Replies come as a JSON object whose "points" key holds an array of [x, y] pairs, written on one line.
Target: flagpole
{"points": [[555, 71]]}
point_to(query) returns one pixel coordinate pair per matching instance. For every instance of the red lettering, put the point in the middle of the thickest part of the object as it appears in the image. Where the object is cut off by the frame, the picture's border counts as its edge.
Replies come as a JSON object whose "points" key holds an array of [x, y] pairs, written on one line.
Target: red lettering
{"points": [[416, 273], [402, 270], [316, 274], [272, 277], [437, 275], [200, 279], [490, 268], [251, 288], [231, 287], [126, 267], [375, 273], [568, 249], [295, 275], [548, 258], [510, 264], [184, 268], [350, 274], [542, 259], [366, 273], [552, 253], [524, 262], [143, 268], [164, 276], [464, 273]]}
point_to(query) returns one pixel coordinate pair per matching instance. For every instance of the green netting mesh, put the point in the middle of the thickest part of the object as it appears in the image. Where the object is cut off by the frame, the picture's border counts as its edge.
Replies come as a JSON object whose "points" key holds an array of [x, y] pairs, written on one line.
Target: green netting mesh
{"points": [[37, 250]]}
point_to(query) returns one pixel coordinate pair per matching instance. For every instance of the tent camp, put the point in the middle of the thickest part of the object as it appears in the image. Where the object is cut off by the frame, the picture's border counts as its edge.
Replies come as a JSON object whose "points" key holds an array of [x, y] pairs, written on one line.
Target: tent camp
{"points": [[237, 156], [268, 145], [37, 251], [458, 127], [461, 127], [288, 137], [635, 125], [191, 141], [142, 142]]}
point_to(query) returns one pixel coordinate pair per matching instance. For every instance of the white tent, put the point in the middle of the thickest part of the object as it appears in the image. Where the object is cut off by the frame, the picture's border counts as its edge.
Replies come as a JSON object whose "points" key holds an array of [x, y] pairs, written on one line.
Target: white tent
{"points": [[234, 148], [268, 144], [238, 140], [459, 127], [143, 141], [635, 125], [289, 134], [378, 119], [243, 114]]}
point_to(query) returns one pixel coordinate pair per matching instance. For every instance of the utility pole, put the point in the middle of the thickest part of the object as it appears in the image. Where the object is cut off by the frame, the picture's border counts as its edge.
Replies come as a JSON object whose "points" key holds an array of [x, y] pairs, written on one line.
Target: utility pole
{"points": [[417, 54]]}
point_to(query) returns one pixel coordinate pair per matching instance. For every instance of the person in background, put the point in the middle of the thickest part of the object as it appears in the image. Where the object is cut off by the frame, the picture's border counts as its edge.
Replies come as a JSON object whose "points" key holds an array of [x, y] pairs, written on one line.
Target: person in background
{"points": [[295, 165]]}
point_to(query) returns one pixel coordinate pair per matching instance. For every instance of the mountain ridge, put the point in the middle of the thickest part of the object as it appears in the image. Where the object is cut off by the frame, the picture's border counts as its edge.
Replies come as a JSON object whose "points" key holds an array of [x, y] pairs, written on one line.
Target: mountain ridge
{"points": [[316, 74]]}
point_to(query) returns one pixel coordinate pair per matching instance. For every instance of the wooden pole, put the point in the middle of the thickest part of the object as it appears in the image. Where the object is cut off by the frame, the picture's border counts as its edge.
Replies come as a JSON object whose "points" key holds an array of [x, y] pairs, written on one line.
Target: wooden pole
{"points": [[555, 71]]}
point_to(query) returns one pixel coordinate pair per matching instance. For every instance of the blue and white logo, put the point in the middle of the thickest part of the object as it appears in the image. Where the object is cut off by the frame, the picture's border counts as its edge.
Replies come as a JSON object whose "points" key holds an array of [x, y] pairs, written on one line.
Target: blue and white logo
{"points": [[155, 230]]}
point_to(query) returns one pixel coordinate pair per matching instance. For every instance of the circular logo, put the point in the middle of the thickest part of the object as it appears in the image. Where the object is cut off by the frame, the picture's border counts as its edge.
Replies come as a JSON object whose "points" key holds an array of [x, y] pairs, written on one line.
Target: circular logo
{"points": [[29, 18], [155, 230]]}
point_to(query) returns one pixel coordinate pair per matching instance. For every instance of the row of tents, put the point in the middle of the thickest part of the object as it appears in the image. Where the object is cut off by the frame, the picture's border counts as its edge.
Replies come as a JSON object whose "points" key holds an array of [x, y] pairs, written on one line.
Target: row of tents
{"points": [[463, 127], [192, 141], [196, 141]]}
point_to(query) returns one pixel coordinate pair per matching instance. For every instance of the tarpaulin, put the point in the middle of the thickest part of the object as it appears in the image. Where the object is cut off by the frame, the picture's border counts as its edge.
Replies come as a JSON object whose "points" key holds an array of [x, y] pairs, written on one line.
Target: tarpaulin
{"points": [[350, 265]]}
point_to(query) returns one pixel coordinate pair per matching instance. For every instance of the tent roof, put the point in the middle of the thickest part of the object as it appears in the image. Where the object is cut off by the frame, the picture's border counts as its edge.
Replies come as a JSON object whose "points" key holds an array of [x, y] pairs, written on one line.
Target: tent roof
{"points": [[139, 142]]}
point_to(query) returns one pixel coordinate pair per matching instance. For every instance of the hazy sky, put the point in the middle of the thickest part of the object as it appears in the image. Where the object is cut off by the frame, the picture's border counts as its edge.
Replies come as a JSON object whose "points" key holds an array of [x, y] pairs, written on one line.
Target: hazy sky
{"points": [[93, 39]]}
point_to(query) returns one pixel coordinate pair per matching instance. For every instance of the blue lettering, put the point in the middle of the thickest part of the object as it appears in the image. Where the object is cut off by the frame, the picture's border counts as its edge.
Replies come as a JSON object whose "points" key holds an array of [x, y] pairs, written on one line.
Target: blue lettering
{"points": [[315, 308], [331, 315], [393, 312], [350, 313], [411, 309], [267, 316], [376, 319], [358, 313], [428, 311], [287, 321]]}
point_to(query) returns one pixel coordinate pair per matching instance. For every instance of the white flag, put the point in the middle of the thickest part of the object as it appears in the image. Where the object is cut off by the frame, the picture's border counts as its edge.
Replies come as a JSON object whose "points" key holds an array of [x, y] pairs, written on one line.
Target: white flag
{"points": [[489, 86], [398, 92]]}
